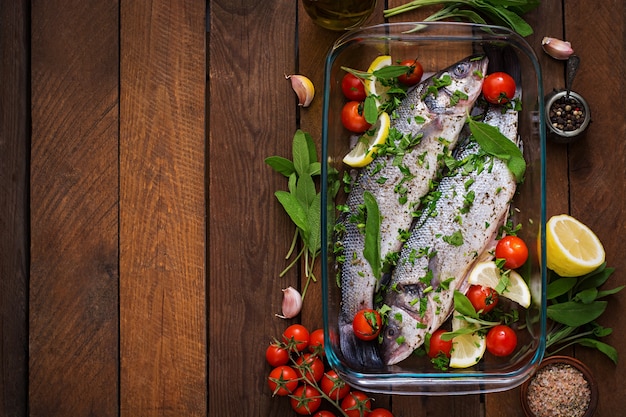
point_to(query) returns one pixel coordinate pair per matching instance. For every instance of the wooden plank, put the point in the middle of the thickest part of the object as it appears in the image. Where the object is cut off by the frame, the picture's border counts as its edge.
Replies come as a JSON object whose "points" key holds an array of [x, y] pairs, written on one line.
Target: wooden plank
{"points": [[14, 140], [596, 170], [162, 209], [74, 201], [251, 116]]}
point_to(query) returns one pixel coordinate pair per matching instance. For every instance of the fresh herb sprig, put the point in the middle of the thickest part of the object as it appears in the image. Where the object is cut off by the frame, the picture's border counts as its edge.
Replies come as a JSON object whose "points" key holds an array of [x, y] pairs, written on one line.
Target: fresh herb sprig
{"points": [[502, 12], [574, 304], [301, 201]]}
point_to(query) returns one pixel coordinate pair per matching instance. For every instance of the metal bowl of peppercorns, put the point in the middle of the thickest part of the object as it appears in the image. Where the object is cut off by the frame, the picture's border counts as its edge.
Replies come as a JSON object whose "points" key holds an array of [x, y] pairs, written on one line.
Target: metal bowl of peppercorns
{"points": [[567, 116]]}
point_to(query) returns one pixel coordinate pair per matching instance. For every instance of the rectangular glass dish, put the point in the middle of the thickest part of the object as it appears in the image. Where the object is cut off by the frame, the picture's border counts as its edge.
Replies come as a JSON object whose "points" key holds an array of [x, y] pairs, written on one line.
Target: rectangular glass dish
{"points": [[437, 46]]}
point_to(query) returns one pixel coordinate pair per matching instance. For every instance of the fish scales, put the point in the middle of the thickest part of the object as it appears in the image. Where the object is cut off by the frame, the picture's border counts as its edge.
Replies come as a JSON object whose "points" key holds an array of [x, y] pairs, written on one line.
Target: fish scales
{"points": [[446, 243], [434, 124]]}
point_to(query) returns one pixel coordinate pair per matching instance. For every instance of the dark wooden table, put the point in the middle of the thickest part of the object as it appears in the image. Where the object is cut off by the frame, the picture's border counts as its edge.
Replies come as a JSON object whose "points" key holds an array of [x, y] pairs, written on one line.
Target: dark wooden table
{"points": [[141, 241]]}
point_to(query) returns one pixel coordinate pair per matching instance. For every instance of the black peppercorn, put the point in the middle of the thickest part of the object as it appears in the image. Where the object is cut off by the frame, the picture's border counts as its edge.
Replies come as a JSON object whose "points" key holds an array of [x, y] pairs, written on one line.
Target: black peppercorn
{"points": [[567, 114]]}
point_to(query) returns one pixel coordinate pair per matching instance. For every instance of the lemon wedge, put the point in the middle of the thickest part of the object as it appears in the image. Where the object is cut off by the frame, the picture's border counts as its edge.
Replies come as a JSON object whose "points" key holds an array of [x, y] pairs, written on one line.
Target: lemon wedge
{"points": [[488, 274], [572, 249], [367, 145], [374, 86], [467, 349]]}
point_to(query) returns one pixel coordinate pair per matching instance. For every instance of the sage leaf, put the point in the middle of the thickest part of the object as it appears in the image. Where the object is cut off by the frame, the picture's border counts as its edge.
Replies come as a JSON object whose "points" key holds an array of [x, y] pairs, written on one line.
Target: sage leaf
{"points": [[371, 250], [281, 165], [463, 305], [595, 278], [605, 293], [314, 221], [305, 190], [370, 110], [587, 296], [301, 154], [294, 209], [608, 350], [573, 313], [447, 336], [559, 287], [315, 168]]}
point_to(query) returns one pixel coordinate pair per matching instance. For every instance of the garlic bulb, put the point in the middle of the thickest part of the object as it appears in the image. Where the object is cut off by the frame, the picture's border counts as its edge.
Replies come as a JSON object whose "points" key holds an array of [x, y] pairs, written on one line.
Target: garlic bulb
{"points": [[303, 87], [557, 48], [292, 303]]}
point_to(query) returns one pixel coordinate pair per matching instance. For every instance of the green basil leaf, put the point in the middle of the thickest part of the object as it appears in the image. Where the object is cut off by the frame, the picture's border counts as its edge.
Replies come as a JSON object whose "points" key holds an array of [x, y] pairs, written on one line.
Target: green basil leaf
{"points": [[463, 305], [281, 165], [451, 335], [596, 278], [315, 168], [294, 209], [305, 190], [572, 313], [608, 350], [371, 250], [605, 293], [310, 144], [370, 110], [559, 287], [292, 182], [301, 156], [391, 71], [313, 214], [586, 296]]}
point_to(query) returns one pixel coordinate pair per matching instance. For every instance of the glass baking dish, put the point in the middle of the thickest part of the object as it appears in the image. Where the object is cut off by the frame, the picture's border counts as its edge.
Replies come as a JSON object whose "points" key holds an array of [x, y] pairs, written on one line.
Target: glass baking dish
{"points": [[437, 46]]}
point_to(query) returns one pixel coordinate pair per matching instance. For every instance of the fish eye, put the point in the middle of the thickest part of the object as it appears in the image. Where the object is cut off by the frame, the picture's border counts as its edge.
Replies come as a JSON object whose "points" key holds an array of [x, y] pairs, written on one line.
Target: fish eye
{"points": [[462, 69]]}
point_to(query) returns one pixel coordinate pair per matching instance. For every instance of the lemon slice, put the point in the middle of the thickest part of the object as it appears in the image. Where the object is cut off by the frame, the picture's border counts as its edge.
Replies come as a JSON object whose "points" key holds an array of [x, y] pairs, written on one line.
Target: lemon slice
{"points": [[372, 85], [487, 274], [467, 349], [572, 249], [367, 145]]}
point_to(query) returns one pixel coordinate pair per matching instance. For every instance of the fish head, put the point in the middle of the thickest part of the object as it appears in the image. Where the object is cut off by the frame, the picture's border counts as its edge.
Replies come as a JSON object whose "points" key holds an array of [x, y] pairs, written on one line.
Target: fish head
{"points": [[402, 334]]}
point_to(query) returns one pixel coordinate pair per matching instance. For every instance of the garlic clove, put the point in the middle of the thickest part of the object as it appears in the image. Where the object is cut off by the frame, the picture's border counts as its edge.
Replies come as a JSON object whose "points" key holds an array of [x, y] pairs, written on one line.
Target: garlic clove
{"points": [[557, 48], [292, 303], [303, 87]]}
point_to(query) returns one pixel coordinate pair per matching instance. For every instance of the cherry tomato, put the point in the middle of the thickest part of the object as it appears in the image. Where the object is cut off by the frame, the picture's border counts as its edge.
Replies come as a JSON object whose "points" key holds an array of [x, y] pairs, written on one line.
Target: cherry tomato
{"points": [[355, 403], [498, 88], [367, 324], [276, 355], [415, 73], [352, 117], [324, 414], [482, 298], [316, 342], [380, 412], [296, 336], [513, 250], [353, 88], [282, 380], [437, 345], [501, 340], [333, 386], [310, 367], [305, 400]]}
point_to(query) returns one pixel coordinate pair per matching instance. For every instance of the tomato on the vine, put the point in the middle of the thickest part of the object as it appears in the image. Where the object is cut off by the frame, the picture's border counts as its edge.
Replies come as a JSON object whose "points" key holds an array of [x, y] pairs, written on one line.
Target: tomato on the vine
{"points": [[356, 404], [316, 342], [310, 367], [324, 413], [282, 380], [353, 118], [333, 386], [498, 88], [380, 412], [305, 400], [353, 87], [367, 324], [484, 299], [414, 74], [513, 250], [501, 340], [296, 336], [276, 355], [438, 345]]}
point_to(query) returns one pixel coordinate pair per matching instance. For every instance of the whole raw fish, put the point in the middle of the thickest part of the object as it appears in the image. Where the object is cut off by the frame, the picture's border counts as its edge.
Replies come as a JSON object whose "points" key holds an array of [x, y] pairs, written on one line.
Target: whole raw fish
{"points": [[425, 128], [457, 231]]}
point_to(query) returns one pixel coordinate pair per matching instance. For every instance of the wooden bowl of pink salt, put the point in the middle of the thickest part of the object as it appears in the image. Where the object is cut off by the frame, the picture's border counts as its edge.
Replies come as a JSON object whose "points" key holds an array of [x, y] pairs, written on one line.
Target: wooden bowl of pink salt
{"points": [[561, 387]]}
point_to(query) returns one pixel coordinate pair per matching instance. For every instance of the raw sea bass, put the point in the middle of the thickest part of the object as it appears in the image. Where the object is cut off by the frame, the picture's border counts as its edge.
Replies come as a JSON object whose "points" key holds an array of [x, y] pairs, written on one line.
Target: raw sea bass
{"points": [[457, 231], [430, 123]]}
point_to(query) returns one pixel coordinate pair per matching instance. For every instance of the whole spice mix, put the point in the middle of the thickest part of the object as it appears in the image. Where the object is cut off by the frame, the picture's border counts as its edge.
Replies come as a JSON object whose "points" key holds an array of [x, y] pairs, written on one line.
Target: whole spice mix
{"points": [[559, 390], [567, 114]]}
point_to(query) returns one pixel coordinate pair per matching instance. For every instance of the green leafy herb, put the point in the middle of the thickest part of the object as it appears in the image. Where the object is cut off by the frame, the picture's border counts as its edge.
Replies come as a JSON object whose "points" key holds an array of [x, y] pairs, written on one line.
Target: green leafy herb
{"points": [[371, 250], [502, 12]]}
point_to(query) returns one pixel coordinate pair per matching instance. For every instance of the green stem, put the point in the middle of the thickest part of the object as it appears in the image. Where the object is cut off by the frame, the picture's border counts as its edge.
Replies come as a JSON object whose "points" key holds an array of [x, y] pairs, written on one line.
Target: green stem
{"points": [[416, 4], [292, 263]]}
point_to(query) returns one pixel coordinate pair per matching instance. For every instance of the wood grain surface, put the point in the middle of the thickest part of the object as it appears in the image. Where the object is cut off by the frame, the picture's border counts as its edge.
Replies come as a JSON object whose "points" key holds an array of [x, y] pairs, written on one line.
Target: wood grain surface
{"points": [[141, 239]]}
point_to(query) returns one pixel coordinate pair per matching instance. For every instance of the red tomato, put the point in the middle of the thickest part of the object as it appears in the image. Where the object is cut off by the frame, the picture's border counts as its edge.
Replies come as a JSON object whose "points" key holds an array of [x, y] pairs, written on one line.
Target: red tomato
{"points": [[356, 404], [414, 75], [316, 342], [352, 117], [324, 414], [310, 367], [333, 386], [437, 345], [482, 298], [305, 400], [353, 88], [276, 355], [367, 324], [380, 412], [498, 88], [282, 380], [513, 250], [297, 337], [501, 340]]}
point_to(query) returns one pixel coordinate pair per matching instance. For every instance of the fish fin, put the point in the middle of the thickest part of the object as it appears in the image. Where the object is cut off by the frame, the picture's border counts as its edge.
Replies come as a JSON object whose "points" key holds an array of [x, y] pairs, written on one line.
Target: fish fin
{"points": [[359, 353]]}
